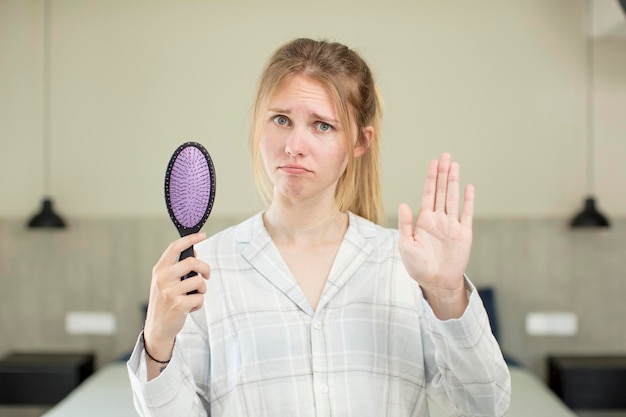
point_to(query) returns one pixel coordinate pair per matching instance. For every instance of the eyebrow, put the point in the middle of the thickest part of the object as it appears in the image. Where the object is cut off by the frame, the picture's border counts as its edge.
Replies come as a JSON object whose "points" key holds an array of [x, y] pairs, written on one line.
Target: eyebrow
{"points": [[314, 115]]}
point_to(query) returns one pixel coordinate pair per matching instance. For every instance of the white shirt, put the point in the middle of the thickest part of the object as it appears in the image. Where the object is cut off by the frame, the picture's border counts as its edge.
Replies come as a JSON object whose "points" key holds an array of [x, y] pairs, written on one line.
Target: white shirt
{"points": [[373, 346]]}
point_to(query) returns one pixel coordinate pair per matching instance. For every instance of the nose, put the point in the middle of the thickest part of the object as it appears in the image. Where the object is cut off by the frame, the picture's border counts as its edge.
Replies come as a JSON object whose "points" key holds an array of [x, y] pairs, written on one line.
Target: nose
{"points": [[296, 143]]}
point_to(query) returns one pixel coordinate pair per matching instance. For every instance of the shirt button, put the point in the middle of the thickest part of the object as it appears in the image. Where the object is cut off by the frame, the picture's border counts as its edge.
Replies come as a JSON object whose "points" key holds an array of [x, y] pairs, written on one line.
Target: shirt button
{"points": [[317, 325], [324, 389]]}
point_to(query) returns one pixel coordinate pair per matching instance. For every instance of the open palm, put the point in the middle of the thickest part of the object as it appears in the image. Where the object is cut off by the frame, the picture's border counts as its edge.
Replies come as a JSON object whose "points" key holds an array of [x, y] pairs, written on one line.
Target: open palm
{"points": [[436, 249]]}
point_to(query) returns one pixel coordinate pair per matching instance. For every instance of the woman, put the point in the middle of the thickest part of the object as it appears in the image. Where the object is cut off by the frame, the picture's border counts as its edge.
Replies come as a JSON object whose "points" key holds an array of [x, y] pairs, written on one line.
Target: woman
{"points": [[310, 308]]}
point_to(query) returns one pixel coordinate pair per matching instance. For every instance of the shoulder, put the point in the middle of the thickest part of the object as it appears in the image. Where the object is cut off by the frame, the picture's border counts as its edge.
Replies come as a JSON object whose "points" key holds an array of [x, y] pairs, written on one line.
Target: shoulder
{"points": [[371, 231], [380, 242], [384, 265], [230, 238]]}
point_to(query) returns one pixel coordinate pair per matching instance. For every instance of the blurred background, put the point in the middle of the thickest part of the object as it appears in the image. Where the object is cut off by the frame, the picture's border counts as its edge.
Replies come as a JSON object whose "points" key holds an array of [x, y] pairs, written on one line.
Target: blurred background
{"points": [[528, 95]]}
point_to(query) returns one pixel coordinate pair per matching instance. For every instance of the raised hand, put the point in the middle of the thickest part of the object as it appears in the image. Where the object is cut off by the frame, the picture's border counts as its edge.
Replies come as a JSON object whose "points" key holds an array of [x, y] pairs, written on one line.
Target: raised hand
{"points": [[436, 250]]}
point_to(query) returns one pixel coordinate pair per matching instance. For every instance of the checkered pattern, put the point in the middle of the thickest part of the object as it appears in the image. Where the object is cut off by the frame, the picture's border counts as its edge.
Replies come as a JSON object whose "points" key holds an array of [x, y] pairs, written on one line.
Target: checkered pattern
{"points": [[373, 346]]}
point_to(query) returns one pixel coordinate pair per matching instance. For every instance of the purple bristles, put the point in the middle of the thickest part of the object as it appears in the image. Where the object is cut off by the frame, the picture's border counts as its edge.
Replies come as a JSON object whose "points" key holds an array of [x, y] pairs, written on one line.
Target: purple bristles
{"points": [[189, 187]]}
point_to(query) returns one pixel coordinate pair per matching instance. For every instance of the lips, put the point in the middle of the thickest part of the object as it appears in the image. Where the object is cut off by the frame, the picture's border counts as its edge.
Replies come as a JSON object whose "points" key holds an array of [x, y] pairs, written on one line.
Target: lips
{"points": [[294, 169]]}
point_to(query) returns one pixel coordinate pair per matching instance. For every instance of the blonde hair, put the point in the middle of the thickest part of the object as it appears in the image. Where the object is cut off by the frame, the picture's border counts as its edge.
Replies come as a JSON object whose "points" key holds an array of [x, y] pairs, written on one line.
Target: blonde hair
{"points": [[350, 83]]}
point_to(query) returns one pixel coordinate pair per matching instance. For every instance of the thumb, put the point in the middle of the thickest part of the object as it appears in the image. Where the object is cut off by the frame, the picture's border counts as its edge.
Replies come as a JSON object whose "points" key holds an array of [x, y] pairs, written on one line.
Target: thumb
{"points": [[405, 221]]}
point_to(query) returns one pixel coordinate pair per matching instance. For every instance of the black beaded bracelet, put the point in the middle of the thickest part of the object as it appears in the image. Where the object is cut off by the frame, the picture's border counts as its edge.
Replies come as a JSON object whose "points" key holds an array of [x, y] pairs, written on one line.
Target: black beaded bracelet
{"points": [[143, 340]]}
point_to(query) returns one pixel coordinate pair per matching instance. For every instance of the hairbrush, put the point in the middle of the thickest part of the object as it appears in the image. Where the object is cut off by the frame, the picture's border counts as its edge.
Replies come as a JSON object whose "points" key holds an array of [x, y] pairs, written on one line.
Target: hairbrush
{"points": [[189, 191]]}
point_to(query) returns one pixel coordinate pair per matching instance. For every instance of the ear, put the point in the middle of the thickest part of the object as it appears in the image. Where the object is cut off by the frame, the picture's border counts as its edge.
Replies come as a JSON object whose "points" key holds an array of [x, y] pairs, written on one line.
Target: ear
{"points": [[364, 141]]}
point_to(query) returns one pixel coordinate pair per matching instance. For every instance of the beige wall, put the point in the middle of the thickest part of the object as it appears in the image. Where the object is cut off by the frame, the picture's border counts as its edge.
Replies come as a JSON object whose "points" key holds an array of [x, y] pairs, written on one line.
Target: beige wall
{"points": [[501, 84]]}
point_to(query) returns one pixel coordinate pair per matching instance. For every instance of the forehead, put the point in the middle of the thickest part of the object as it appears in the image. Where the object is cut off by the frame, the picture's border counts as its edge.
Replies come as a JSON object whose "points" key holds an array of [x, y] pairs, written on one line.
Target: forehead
{"points": [[301, 90]]}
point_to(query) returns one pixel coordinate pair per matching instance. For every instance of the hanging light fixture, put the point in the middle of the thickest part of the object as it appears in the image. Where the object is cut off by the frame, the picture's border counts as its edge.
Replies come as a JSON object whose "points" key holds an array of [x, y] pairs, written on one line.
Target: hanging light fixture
{"points": [[589, 217], [46, 218]]}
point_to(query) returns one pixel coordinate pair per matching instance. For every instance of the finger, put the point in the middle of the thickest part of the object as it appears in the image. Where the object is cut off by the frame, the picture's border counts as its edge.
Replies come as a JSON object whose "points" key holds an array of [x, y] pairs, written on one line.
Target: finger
{"points": [[467, 215], [452, 196], [442, 182], [186, 303], [187, 265], [172, 253], [196, 301], [405, 221], [195, 283], [428, 196]]}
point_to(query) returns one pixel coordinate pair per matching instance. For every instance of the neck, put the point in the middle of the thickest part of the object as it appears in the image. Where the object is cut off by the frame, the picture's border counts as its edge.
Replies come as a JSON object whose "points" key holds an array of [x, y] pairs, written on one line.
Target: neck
{"points": [[304, 226]]}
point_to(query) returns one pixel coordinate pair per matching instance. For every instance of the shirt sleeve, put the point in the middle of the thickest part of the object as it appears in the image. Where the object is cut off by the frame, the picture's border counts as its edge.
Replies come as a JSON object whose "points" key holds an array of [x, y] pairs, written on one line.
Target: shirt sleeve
{"points": [[175, 391], [465, 371]]}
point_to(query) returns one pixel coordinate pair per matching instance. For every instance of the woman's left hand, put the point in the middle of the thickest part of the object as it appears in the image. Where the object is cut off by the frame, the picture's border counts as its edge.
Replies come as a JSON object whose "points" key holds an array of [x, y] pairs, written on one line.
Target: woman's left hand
{"points": [[436, 250]]}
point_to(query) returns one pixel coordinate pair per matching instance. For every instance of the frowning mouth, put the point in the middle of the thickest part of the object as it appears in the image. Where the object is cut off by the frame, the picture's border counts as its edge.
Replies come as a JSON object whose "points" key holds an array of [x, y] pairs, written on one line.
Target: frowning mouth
{"points": [[294, 169]]}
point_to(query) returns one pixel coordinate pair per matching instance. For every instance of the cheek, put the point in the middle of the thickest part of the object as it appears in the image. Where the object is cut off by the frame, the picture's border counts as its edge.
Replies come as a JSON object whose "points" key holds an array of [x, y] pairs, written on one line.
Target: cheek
{"points": [[341, 157], [267, 151], [270, 143], [263, 152], [343, 166]]}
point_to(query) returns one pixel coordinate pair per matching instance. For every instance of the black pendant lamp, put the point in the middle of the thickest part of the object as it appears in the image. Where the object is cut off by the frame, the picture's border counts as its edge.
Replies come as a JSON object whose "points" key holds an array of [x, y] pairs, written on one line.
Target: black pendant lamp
{"points": [[46, 218], [589, 217]]}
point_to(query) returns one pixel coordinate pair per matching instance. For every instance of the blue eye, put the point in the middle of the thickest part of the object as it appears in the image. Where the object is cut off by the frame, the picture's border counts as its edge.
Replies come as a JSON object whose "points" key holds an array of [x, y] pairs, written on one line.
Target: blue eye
{"points": [[281, 120], [324, 127]]}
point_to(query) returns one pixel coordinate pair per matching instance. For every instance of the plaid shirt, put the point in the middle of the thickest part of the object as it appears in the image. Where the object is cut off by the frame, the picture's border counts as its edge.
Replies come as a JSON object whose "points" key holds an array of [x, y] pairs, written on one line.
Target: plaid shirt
{"points": [[373, 346]]}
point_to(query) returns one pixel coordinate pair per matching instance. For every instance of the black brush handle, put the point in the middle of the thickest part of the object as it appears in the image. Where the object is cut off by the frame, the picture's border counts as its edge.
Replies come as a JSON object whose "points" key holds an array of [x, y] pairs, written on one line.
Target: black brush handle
{"points": [[188, 253]]}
